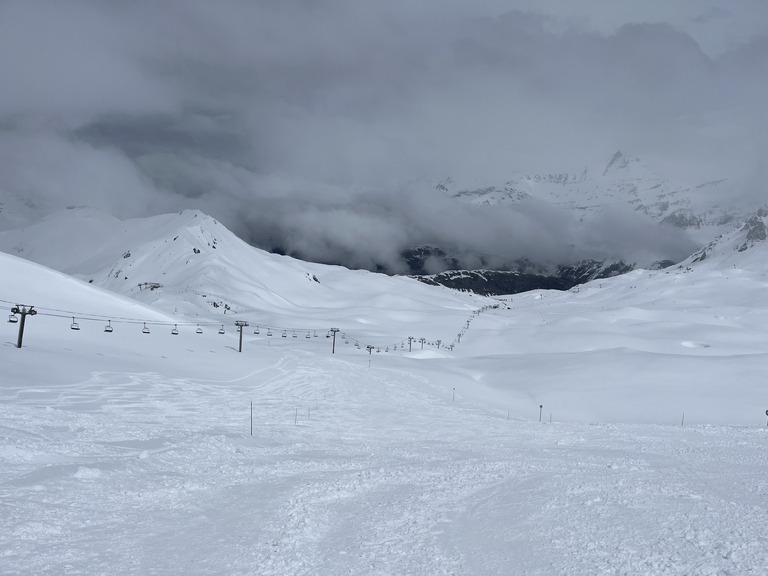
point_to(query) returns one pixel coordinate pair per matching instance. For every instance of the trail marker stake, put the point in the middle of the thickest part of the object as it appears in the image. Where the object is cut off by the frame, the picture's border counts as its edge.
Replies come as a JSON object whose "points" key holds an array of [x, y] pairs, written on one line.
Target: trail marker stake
{"points": [[541, 407]]}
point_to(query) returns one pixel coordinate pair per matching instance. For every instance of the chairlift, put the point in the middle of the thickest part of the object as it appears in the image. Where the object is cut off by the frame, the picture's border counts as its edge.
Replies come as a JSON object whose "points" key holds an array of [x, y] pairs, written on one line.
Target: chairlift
{"points": [[74, 325], [378, 350], [269, 332], [307, 336], [314, 334], [199, 330], [256, 331], [386, 349], [108, 327], [221, 330], [294, 334], [145, 330], [285, 334], [175, 330], [13, 318], [328, 335]]}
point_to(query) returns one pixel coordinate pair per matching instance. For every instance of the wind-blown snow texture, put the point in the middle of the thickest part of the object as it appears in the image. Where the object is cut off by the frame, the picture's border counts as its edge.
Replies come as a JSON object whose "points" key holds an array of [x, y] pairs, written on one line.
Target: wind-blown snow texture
{"points": [[132, 453]]}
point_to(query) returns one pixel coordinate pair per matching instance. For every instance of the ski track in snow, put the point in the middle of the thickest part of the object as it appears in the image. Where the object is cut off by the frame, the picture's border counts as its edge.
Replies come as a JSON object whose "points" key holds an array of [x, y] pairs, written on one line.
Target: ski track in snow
{"points": [[358, 470]]}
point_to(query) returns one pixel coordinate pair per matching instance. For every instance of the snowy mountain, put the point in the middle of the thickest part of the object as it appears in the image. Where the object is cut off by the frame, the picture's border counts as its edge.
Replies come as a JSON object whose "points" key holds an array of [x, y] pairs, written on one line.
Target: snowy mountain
{"points": [[704, 210], [190, 265], [616, 427], [625, 182]]}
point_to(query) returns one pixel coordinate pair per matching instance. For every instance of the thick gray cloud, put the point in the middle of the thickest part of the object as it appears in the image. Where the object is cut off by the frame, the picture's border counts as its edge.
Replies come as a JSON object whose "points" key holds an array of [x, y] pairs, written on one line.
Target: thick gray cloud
{"points": [[313, 126]]}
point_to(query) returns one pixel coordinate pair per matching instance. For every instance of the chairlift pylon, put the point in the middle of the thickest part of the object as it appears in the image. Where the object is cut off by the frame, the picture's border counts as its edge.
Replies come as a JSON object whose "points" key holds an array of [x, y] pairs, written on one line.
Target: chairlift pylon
{"points": [[175, 330], [108, 328], [145, 330], [74, 325]]}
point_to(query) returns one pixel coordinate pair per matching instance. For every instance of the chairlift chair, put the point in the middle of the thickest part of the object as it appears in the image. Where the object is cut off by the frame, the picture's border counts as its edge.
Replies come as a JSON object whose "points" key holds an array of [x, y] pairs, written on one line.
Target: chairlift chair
{"points": [[175, 330], [74, 325], [269, 332], [221, 330], [328, 335], [314, 334], [307, 336], [294, 335], [13, 318], [256, 331], [108, 327], [285, 334], [199, 330], [145, 330]]}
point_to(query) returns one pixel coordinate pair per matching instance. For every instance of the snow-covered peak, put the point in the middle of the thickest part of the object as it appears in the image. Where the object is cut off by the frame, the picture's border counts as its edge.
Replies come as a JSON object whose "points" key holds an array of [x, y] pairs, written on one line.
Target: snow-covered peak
{"points": [[623, 165], [190, 265]]}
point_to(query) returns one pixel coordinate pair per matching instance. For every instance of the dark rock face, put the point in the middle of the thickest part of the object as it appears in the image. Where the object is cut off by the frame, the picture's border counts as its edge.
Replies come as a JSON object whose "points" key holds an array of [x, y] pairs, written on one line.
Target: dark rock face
{"points": [[419, 259], [518, 276], [495, 282], [756, 230], [684, 219], [591, 270], [523, 279]]}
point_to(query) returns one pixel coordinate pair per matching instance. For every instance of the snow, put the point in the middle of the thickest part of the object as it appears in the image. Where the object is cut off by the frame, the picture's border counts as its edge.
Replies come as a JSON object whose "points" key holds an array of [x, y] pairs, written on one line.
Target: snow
{"points": [[132, 453]]}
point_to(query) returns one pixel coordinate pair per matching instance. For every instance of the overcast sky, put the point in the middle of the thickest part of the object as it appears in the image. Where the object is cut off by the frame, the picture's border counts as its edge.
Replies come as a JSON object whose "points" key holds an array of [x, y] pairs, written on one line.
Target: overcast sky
{"points": [[305, 123]]}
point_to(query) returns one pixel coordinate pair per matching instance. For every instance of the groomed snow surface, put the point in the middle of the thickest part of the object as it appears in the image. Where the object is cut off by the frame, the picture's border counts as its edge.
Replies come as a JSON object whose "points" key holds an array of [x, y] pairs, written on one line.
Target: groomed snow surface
{"points": [[132, 453]]}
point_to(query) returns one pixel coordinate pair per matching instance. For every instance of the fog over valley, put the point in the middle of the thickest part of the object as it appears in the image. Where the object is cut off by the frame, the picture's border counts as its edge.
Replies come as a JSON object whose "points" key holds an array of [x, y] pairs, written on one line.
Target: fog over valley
{"points": [[323, 129]]}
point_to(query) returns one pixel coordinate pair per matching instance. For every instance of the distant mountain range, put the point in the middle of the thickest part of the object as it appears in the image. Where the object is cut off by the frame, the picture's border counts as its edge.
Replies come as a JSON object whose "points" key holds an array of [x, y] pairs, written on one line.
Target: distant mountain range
{"points": [[626, 182], [703, 210]]}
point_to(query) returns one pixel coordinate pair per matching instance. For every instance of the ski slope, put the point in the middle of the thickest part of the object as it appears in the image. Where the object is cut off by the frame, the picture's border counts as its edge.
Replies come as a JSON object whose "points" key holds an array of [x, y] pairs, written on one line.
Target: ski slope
{"points": [[134, 453]]}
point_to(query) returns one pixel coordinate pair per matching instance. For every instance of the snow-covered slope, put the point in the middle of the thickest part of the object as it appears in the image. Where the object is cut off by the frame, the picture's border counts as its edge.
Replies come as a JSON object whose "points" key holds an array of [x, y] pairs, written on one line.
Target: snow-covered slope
{"points": [[127, 452], [190, 265]]}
